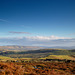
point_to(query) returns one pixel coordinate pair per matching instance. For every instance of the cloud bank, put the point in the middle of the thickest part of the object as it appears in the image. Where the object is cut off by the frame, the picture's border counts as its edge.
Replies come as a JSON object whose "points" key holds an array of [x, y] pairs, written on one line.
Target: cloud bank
{"points": [[48, 41], [46, 37]]}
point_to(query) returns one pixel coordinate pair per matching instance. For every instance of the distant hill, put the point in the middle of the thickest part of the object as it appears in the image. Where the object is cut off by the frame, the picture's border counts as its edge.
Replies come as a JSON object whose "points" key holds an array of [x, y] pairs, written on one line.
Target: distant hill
{"points": [[21, 47], [15, 47], [63, 47], [41, 53]]}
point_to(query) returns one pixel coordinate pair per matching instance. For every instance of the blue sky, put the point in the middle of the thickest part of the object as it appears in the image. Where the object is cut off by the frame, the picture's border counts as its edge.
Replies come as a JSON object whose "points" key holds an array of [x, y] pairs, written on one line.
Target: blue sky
{"points": [[46, 19]]}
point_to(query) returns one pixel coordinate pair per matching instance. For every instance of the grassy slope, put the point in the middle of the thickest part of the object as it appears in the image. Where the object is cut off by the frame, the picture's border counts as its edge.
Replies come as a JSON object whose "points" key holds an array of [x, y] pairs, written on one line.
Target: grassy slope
{"points": [[42, 53], [4, 58], [60, 57]]}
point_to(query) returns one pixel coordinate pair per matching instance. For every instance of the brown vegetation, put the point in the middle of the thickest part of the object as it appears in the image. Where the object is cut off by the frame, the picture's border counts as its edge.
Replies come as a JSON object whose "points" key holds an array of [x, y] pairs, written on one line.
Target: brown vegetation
{"points": [[37, 68]]}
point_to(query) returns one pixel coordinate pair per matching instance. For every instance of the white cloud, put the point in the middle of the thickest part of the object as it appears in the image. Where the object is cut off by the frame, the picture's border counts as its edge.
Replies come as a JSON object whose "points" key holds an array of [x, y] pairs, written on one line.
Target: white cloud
{"points": [[19, 32], [38, 41], [46, 37]]}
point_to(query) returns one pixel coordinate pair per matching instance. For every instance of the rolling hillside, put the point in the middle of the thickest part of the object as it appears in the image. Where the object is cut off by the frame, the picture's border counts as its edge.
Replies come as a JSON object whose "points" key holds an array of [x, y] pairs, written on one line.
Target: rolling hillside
{"points": [[41, 53], [14, 47]]}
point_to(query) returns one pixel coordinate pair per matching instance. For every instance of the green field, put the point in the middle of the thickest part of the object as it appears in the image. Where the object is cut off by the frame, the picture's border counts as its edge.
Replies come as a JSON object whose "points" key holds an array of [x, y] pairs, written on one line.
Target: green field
{"points": [[38, 54], [60, 57]]}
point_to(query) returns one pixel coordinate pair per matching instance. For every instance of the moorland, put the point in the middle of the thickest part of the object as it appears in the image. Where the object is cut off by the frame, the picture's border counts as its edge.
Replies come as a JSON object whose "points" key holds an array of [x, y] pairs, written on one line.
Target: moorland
{"points": [[37, 62]]}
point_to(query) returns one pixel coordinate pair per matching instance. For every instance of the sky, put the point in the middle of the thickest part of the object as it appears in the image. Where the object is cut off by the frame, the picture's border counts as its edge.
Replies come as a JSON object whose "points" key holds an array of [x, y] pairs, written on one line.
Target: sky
{"points": [[37, 22]]}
